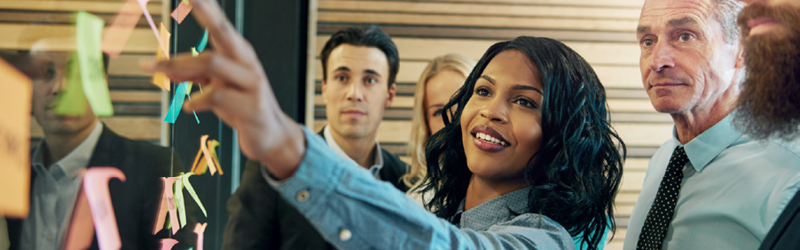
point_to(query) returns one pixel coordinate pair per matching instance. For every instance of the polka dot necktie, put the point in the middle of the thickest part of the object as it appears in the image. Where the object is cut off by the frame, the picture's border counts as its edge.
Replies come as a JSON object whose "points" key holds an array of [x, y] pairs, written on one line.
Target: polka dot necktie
{"points": [[658, 219]]}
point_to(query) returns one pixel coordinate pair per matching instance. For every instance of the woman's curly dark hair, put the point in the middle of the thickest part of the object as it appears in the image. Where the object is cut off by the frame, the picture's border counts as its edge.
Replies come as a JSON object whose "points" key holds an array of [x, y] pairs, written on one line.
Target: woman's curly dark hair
{"points": [[578, 170]]}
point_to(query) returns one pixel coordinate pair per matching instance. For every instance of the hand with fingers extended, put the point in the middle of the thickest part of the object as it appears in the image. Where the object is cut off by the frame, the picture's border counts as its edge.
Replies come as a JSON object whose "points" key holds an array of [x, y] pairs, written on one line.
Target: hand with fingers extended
{"points": [[237, 90]]}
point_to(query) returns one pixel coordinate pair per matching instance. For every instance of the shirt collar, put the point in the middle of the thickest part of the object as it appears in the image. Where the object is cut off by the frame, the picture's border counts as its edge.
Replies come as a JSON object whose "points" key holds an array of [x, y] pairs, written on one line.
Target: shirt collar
{"points": [[705, 147], [73, 162], [377, 165], [494, 211]]}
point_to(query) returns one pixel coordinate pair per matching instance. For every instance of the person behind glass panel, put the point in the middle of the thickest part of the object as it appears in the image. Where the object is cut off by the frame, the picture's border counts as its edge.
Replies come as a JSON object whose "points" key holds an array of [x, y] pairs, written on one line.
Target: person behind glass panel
{"points": [[440, 80], [72, 143]]}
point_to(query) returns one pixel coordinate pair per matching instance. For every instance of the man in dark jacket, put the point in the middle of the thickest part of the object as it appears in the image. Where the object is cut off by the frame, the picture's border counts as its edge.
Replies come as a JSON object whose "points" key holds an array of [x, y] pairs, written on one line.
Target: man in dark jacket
{"points": [[359, 68], [769, 105], [73, 143]]}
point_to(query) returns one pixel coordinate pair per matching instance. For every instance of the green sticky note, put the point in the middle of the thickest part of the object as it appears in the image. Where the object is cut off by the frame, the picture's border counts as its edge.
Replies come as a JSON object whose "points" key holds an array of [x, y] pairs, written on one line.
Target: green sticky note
{"points": [[72, 101], [190, 189], [194, 52], [90, 58], [179, 203]]}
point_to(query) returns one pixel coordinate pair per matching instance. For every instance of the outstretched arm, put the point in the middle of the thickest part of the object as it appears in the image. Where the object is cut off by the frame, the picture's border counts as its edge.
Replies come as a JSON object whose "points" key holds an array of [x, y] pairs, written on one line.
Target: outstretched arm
{"points": [[353, 210], [236, 89]]}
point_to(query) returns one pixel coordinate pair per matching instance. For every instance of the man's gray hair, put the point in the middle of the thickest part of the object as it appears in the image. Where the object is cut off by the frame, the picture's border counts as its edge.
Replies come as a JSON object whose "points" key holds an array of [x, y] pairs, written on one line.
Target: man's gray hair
{"points": [[726, 12]]}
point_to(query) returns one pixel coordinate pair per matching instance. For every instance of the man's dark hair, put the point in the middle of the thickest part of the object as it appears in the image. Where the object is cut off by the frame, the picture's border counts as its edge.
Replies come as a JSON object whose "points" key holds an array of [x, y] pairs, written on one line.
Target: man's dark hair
{"points": [[368, 36]]}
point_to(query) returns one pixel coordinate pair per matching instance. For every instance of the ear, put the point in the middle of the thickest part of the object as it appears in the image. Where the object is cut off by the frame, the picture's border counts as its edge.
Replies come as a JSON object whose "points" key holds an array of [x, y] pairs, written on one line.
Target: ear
{"points": [[740, 57], [392, 93], [324, 86]]}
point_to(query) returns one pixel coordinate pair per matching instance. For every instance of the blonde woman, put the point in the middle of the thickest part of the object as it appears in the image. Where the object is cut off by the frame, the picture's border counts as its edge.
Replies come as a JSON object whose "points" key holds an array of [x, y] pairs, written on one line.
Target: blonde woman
{"points": [[440, 80]]}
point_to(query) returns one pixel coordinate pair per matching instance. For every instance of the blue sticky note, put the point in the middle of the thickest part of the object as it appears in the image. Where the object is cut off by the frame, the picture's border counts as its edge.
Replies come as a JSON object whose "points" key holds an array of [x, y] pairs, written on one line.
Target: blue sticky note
{"points": [[203, 42], [177, 103]]}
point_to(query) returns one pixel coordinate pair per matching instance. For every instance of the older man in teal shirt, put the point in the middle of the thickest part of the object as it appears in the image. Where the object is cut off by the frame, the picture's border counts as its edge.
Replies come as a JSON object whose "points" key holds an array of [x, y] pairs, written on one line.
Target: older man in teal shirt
{"points": [[709, 186]]}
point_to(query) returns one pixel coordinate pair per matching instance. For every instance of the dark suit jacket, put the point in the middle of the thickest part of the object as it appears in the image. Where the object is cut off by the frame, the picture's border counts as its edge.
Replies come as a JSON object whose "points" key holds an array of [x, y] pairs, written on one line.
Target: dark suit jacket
{"points": [[136, 200], [261, 219], [785, 234]]}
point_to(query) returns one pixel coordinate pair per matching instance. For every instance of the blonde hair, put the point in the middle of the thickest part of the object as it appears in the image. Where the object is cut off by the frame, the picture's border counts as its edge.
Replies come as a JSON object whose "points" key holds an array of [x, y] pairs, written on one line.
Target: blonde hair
{"points": [[419, 122]]}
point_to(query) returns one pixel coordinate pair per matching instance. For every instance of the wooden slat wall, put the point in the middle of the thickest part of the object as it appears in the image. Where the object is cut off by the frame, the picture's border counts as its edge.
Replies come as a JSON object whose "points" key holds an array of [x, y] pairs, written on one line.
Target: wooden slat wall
{"points": [[137, 102], [601, 31]]}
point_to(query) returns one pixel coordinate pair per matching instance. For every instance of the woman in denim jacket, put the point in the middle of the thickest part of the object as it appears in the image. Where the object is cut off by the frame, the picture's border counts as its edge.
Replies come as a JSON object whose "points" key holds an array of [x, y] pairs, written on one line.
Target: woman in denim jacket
{"points": [[527, 161]]}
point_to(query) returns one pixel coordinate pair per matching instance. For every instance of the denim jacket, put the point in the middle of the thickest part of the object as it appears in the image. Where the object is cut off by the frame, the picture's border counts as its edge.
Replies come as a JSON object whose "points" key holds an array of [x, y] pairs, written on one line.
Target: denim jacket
{"points": [[353, 210]]}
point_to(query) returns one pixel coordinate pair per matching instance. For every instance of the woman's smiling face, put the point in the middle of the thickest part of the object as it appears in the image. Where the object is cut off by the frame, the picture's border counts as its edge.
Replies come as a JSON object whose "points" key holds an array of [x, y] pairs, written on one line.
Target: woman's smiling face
{"points": [[501, 124]]}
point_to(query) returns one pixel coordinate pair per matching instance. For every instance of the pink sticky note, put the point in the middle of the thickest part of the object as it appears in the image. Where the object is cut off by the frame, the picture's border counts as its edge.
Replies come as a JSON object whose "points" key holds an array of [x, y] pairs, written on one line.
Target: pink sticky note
{"points": [[199, 229], [209, 160], [181, 12], [167, 244], [95, 185], [167, 204], [143, 5], [81, 226], [116, 35]]}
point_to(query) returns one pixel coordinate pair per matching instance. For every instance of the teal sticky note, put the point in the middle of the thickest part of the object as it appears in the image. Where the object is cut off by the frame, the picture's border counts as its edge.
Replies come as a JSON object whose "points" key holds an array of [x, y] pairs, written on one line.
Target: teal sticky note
{"points": [[177, 103], [72, 101], [203, 42], [89, 33]]}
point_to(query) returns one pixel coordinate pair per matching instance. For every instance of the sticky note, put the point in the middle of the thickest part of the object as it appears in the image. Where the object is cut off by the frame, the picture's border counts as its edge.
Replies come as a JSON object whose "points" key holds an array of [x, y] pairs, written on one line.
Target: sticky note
{"points": [[15, 141], [95, 185], [90, 59], [181, 12], [72, 101], [179, 203], [81, 227], [161, 40], [159, 78], [200, 229], [177, 103], [203, 42], [120, 30], [190, 189], [167, 244], [212, 149], [207, 154], [188, 94], [198, 167], [167, 204]]}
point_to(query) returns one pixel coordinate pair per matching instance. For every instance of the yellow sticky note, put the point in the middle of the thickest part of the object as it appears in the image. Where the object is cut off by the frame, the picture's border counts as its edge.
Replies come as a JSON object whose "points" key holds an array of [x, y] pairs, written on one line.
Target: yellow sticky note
{"points": [[159, 79], [14, 142]]}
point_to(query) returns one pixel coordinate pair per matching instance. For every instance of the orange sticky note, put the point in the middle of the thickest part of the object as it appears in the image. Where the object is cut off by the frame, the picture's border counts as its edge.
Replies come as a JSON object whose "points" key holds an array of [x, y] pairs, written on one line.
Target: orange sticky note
{"points": [[199, 229], [199, 167], [15, 142], [81, 226], [95, 185], [116, 35], [181, 12], [160, 79]]}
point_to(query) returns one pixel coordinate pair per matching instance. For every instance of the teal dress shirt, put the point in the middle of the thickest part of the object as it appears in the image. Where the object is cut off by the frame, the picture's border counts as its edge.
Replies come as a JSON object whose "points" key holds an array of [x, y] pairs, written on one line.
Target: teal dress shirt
{"points": [[733, 189]]}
